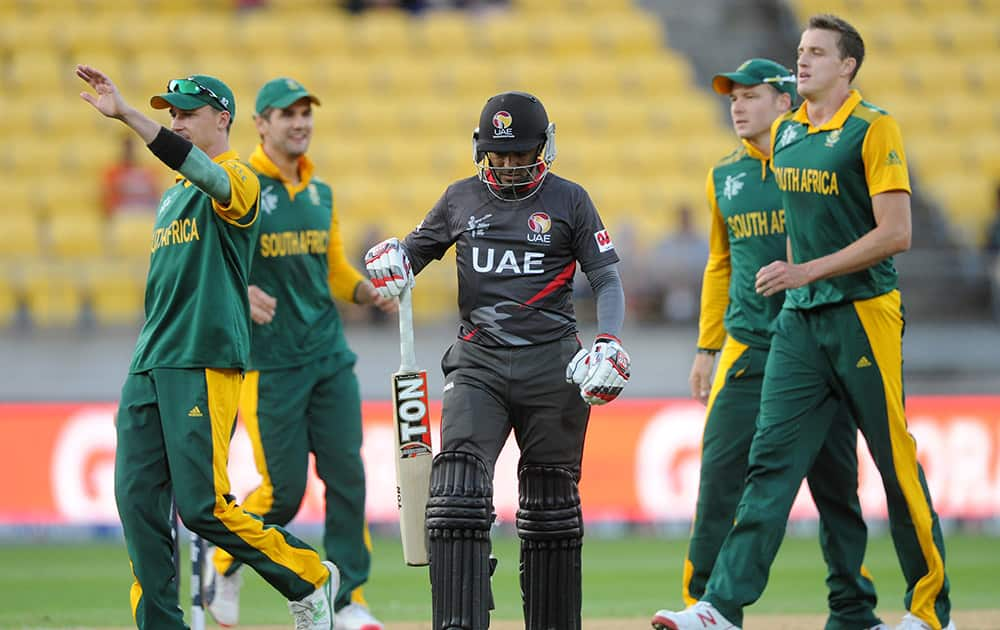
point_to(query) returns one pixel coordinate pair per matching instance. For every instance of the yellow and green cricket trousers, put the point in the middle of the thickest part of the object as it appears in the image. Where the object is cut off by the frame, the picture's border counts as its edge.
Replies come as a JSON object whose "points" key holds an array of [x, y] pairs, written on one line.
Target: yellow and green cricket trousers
{"points": [[833, 482], [289, 413], [174, 428], [850, 352]]}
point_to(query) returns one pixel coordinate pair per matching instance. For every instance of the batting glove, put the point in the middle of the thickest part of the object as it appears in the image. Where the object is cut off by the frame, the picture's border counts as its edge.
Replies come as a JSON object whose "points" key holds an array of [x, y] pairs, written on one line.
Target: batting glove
{"points": [[389, 268], [577, 368], [608, 371]]}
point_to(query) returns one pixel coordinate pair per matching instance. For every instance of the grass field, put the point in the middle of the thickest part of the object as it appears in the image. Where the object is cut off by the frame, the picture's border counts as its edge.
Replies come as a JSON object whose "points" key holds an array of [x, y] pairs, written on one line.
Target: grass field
{"points": [[86, 585]]}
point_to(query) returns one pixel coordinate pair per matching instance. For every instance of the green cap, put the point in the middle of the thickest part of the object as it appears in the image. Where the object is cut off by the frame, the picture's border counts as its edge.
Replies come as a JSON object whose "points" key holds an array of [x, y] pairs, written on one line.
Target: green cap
{"points": [[196, 91], [755, 72], [281, 93]]}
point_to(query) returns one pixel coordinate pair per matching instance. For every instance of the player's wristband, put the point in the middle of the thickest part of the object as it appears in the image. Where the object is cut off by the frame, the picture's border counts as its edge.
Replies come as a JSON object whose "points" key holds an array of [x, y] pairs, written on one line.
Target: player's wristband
{"points": [[170, 148], [708, 351]]}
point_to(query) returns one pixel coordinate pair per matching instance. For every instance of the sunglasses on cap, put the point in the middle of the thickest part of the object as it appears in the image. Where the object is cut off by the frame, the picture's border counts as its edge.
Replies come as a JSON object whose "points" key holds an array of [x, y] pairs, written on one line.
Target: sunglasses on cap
{"points": [[790, 78], [193, 88]]}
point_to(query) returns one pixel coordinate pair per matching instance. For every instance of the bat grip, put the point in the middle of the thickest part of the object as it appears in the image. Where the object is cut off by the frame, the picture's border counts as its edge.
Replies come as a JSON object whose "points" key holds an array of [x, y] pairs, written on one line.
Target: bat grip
{"points": [[407, 354]]}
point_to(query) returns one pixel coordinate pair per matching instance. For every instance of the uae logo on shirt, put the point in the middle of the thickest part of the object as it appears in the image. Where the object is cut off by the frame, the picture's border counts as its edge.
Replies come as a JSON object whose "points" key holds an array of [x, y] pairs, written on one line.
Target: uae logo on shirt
{"points": [[268, 200], [833, 138], [733, 185], [539, 225], [790, 133]]}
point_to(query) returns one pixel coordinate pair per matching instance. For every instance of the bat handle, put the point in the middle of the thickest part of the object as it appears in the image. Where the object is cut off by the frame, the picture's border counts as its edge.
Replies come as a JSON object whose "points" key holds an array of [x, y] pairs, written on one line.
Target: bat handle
{"points": [[407, 354]]}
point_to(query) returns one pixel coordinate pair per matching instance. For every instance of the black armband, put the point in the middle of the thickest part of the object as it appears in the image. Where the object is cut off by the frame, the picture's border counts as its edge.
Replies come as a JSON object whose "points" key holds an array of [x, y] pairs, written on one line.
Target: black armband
{"points": [[170, 148], [710, 351]]}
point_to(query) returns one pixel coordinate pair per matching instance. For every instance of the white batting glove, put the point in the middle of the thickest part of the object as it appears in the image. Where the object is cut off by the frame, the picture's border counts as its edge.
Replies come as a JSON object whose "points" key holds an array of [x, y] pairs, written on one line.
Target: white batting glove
{"points": [[389, 268], [577, 368], [608, 371]]}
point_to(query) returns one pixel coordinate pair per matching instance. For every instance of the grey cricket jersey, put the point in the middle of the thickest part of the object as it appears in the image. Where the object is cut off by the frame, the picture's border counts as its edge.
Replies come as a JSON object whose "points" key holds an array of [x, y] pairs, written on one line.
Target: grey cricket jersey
{"points": [[516, 259]]}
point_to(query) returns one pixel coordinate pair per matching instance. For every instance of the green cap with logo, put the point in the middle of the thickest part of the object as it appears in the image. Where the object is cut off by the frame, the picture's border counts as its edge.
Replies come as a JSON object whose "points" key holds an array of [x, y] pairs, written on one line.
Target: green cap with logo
{"points": [[755, 72], [281, 93], [194, 91]]}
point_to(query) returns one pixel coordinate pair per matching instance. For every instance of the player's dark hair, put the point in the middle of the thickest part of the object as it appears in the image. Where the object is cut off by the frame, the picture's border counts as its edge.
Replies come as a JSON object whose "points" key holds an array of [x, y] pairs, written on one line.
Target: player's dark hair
{"points": [[849, 44]]}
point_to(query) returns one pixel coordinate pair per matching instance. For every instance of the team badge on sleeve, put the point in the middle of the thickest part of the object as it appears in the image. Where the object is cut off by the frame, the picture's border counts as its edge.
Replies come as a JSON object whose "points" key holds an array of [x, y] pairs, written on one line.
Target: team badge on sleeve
{"points": [[603, 239]]}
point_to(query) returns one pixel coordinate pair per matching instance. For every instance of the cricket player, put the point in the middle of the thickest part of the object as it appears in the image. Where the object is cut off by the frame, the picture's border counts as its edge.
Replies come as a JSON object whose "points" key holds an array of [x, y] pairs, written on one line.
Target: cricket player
{"points": [[301, 395], [841, 168], [747, 232], [179, 400], [519, 231]]}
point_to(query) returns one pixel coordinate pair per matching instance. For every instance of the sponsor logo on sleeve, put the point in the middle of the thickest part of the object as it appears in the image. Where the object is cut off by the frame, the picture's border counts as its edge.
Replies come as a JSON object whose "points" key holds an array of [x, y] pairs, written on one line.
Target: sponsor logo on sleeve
{"points": [[603, 241]]}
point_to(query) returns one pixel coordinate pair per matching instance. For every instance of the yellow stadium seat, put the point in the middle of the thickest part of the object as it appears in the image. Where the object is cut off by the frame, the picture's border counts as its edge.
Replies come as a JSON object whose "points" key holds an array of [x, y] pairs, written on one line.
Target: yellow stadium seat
{"points": [[629, 35], [52, 293], [443, 34], [41, 74], [20, 237], [968, 200], [115, 289], [497, 38], [394, 77], [565, 39], [139, 36], [378, 34], [76, 236], [130, 234], [655, 75], [72, 196], [437, 297]]}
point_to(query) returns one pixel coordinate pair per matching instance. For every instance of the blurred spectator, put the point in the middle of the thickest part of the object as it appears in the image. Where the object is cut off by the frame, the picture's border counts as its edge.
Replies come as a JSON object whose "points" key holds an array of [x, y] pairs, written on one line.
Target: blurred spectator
{"points": [[992, 246], [129, 186], [676, 265], [992, 251]]}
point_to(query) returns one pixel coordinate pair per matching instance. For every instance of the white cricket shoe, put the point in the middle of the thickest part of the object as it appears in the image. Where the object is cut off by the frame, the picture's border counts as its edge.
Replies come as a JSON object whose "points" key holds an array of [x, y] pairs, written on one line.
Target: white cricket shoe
{"points": [[315, 611], [911, 622], [222, 594], [698, 616], [356, 617]]}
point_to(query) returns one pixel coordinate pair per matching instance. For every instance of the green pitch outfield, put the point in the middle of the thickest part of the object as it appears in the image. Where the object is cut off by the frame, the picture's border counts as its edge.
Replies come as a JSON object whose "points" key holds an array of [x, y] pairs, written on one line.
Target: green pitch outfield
{"points": [[86, 585]]}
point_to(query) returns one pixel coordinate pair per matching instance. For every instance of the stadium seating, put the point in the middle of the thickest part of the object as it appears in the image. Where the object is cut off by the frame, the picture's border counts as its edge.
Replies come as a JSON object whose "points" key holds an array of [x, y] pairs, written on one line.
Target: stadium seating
{"points": [[401, 95], [930, 64]]}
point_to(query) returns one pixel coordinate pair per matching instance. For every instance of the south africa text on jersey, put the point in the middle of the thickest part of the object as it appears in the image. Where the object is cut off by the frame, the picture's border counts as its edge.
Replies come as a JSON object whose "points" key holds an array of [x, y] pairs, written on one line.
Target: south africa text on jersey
{"points": [[807, 180], [293, 243], [757, 223], [178, 231]]}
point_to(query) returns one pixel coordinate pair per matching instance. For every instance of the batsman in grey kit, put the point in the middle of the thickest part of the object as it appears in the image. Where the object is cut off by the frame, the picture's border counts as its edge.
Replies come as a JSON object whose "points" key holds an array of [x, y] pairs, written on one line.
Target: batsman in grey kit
{"points": [[519, 232]]}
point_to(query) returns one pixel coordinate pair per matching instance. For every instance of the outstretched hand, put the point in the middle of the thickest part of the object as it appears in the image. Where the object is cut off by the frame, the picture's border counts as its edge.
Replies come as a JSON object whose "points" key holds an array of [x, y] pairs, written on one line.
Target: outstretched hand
{"points": [[108, 100]]}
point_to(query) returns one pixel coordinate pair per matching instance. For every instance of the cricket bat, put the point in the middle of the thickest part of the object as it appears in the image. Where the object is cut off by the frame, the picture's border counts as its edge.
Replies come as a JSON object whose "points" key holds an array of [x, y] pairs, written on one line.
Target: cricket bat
{"points": [[413, 440]]}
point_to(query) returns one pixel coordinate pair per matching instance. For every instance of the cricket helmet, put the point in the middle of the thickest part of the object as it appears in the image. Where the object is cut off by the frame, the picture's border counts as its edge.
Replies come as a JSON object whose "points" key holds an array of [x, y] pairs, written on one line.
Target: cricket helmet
{"points": [[513, 122]]}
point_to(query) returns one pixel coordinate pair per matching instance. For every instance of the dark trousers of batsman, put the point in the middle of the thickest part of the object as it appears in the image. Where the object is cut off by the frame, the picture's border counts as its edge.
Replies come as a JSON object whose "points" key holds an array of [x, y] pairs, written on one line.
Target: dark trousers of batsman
{"points": [[289, 413], [833, 483], [174, 427], [488, 393], [851, 352]]}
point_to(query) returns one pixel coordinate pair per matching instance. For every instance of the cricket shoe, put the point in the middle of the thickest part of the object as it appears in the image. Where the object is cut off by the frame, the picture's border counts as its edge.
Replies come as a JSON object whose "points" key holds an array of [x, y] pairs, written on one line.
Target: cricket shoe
{"points": [[915, 623], [315, 611], [698, 616], [356, 617], [221, 594]]}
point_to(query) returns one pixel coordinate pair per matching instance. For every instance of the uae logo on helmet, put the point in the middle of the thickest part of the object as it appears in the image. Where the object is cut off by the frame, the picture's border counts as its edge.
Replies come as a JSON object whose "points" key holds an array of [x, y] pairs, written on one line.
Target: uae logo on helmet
{"points": [[539, 223], [502, 121]]}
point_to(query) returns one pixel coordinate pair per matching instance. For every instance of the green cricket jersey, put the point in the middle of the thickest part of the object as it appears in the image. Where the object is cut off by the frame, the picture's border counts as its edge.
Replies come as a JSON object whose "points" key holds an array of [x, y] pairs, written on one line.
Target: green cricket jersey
{"points": [[299, 260], [828, 176], [748, 232], [197, 312]]}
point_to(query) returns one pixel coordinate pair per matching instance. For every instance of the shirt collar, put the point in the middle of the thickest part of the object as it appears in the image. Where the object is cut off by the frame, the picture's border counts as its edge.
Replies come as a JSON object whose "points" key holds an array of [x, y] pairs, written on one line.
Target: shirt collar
{"points": [[756, 154], [263, 164], [838, 119]]}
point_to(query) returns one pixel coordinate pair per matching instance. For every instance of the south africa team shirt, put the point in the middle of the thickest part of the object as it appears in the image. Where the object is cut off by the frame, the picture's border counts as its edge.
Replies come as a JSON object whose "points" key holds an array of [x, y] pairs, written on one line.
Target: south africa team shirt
{"points": [[747, 233], [516, 259], [299, 260], [197, 311], [827, 176]]}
